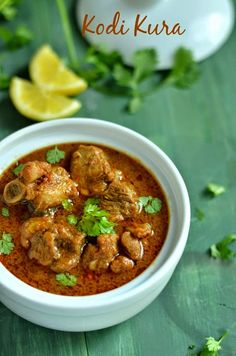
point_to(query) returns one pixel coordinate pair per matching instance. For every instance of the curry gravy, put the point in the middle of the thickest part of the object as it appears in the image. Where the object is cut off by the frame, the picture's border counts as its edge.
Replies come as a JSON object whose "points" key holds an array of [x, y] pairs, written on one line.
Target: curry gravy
{"points": [[43, 278]]}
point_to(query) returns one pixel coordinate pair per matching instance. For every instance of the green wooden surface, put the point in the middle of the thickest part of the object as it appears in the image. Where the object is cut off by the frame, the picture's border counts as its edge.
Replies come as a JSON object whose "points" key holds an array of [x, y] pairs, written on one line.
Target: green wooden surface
{"points": [[197, 129]]}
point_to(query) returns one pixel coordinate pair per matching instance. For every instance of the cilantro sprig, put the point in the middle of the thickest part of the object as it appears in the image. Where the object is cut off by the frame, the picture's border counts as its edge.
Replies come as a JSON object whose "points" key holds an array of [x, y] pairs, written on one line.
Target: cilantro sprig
{"points": [[107, 72], [151, 205], [6, 244], [185, 70], [211, 347], [222, 250], [55, 155], [66, 279], [95, 221]]}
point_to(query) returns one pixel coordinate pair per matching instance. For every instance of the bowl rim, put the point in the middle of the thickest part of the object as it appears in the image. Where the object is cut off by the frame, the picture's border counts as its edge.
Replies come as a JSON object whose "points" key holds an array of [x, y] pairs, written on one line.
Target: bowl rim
{"points": [[105, 299]]}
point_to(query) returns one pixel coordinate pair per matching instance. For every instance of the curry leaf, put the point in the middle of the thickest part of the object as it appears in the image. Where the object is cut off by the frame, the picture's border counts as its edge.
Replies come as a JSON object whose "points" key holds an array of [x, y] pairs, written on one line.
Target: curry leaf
{"points": [[6, 244], [66, 279]]}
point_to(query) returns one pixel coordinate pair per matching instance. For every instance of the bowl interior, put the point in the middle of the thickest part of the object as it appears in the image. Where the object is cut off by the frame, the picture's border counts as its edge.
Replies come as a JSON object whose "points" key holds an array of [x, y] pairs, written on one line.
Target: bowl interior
{"points": [[127, 141]]}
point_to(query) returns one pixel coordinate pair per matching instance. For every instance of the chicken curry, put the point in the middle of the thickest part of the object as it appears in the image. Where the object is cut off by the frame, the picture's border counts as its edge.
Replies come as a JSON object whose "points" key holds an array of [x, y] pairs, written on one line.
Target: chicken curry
{"points": [[80, 219]]}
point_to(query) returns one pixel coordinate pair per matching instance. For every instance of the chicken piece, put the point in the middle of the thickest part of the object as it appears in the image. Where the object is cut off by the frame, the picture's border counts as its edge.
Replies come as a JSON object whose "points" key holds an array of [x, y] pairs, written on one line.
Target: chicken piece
{"points": [[122, 264], [43, 248], [133, 247], [120, 200], [91, 170], [32, 227], [33, 171], [41, 184], [98, 257], [54, 244], [71, 243], [140, 230], [56, 187]]}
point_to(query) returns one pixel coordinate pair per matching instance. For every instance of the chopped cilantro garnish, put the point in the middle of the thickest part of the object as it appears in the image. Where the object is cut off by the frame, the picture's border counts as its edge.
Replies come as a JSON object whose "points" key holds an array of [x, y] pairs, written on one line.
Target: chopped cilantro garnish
{"points": [[211, 347], [72, 219], [67, 204], [18, 169], [4, 79], [66, 279], [151, 205], [6, 244], [222, 249], [95, 220], [215, 189], [200, 215], [5, 212], [55, 155]]}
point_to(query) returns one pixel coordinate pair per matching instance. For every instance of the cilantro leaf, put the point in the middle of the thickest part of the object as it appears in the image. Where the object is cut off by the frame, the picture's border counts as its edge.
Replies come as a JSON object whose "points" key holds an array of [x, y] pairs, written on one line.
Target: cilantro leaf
{"points": [[222, 250], [6, 244], [72, 219], [55, 155], [185, 70], [99, 64], [18, 169], [212, 346], [8, 9], [5, 212], [15, 39], [66, 279], [151, 205], [67, 204], [95, 220], [123, 76], [145, 63], [215, 189], [200, 215], [4, 79]]}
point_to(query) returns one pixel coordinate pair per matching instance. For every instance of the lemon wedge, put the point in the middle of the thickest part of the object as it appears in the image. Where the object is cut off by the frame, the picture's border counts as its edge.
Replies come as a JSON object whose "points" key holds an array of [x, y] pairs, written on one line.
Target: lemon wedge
{"points": [[49, 72], [38, 104]]}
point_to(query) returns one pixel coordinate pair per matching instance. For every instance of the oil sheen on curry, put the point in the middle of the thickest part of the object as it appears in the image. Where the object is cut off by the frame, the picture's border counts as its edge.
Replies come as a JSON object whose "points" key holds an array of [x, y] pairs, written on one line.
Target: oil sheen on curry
{"points": [[80, 219]]}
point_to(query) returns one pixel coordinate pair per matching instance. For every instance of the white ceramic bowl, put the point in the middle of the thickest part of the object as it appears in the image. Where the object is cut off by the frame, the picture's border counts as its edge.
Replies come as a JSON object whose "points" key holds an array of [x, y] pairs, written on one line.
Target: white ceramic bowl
{"points": [[109, 308]]}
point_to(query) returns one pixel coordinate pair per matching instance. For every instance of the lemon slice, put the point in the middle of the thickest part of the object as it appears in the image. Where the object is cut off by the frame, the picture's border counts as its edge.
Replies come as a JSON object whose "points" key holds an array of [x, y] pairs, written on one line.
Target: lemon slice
{"points": [[38, 104], [49, 72]]}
